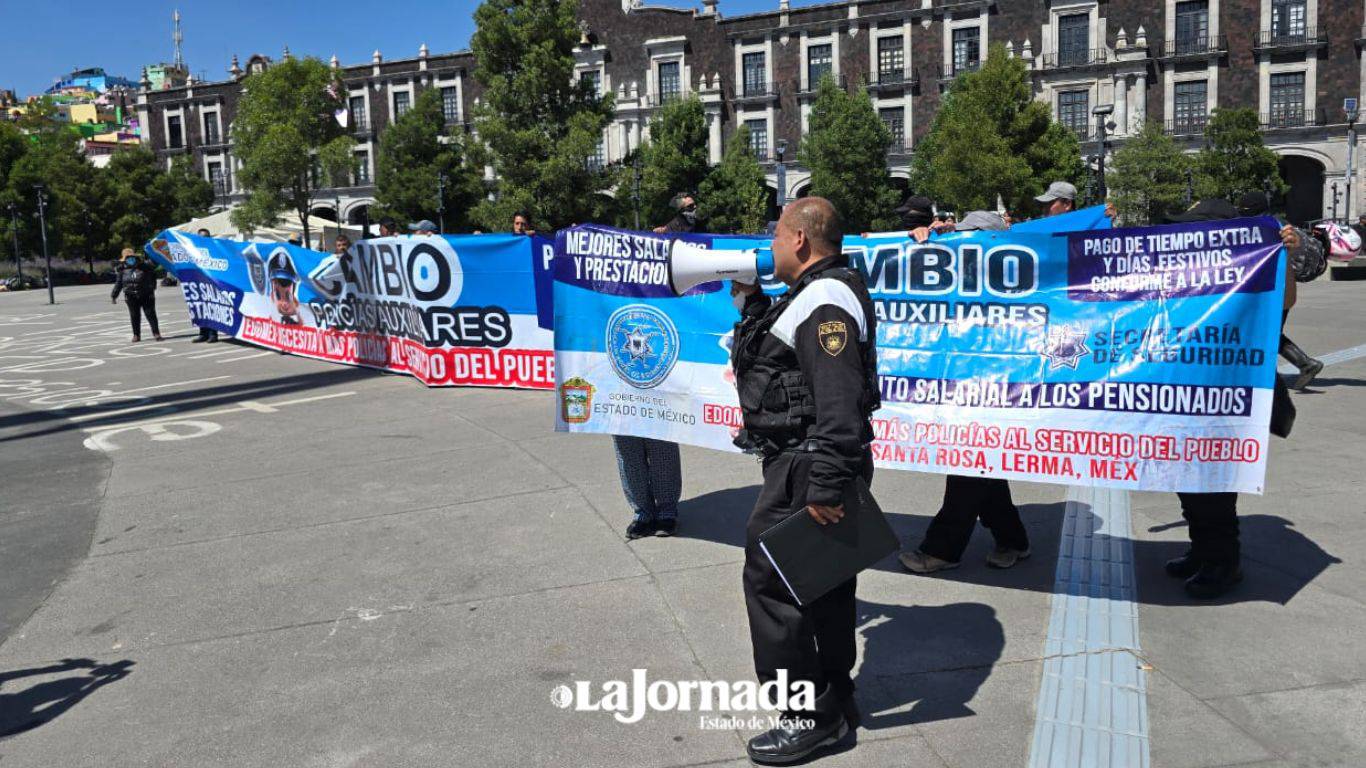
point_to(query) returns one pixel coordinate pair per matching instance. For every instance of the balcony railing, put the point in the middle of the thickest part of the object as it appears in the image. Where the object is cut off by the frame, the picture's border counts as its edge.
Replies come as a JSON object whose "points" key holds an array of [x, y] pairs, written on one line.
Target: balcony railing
{"points": [[1194, 47], [661, 98], [750, 92], [949, 73], [360, 124], [1189, 126], [895, 79], [811, 88], [1279, 119], [1302, 39], [1078, 58]]}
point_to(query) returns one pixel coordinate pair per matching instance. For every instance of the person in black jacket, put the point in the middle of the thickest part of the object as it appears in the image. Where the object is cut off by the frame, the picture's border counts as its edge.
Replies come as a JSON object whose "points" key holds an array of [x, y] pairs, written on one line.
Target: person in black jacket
{"points": [[138, 282], [806, 373]]}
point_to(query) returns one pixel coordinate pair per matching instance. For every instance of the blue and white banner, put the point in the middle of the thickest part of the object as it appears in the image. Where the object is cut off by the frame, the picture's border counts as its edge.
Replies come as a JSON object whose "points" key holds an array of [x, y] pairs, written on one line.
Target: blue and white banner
{"points": [[451, 311], [1130, 358]]}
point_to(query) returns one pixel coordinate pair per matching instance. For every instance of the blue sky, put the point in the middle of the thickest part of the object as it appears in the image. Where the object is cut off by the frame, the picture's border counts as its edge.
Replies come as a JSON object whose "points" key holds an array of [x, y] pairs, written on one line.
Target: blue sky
{"points": [[43, 40]]}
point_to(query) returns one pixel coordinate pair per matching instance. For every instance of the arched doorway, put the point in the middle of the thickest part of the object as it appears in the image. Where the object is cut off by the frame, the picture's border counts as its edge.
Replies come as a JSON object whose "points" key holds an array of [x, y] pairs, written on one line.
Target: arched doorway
{"points": [[358, 215], [324, 212], [1304, 200]]}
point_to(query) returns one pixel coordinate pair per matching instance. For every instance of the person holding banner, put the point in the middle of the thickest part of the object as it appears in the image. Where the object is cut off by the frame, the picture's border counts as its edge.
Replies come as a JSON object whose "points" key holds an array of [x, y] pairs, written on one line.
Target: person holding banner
{"points": [[967, 498], [806, 373], [206, 335], [138, 282]]}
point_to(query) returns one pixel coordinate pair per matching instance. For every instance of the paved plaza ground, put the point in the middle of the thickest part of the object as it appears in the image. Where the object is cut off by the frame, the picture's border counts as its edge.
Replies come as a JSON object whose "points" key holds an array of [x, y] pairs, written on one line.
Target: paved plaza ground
{"points": [[216, 555]]}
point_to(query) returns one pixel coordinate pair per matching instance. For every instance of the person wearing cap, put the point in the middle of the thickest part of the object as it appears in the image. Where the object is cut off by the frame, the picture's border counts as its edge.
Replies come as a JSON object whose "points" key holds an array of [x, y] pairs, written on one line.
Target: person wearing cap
{"points": [[1256, 204], [284, 283], [684, 205], [1059, 198], [137, 280], [968, 499], [388, 227], [1212, 566], [422, 228]]}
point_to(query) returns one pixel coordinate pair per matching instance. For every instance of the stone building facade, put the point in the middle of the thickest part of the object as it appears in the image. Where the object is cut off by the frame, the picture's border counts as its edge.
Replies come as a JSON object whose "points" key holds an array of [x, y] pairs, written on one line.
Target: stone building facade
{"points": [[1174, 61]]}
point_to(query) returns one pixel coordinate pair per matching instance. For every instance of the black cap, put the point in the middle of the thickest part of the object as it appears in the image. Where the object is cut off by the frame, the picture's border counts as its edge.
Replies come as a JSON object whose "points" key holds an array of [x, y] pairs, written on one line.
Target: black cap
{"points": [[388, 221], [917, 210], [1253, 204], [1214, 209]]}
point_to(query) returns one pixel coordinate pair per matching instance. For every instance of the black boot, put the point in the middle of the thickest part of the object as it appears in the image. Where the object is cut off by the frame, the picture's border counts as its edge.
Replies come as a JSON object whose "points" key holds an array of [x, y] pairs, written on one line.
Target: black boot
{"points": [[1213, 580], [1309, 367], [1183, 567], [790, 743]]}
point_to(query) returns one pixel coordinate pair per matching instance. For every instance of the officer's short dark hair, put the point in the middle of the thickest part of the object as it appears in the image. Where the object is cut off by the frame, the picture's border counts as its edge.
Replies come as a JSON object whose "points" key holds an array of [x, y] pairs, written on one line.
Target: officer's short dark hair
{"points": [[818, 218]]}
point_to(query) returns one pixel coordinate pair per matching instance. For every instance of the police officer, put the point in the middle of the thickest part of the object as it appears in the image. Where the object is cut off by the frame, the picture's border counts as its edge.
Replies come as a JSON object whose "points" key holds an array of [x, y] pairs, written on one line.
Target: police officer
{"points": [[806, 371]]}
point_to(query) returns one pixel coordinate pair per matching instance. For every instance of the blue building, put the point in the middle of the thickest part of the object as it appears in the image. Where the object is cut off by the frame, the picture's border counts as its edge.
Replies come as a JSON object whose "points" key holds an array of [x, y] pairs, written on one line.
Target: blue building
{"points": [[94, 79]]}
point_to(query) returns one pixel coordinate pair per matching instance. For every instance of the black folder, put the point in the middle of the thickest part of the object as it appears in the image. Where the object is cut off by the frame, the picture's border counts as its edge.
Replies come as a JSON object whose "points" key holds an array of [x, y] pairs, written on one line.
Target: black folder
{"points": [[813, 559]]}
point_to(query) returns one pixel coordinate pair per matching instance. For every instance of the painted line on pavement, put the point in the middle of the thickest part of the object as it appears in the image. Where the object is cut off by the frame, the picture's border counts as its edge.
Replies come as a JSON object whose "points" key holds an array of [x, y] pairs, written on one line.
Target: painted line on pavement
{"points": [[1093, 699], [1332, 358]]}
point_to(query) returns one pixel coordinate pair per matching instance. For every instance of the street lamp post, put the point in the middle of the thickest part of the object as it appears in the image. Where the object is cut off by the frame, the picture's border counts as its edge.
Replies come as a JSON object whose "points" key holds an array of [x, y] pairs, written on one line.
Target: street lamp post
{"points": [[42, 224], [14, 231], [1350, 105], [635, 194], [441, 201], [781, 172], [1102, 113], [1336, 196]]}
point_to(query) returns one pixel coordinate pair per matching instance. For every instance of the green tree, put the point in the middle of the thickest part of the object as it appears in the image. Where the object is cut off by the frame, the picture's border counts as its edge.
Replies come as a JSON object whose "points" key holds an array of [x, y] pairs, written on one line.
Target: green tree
{"points": [[287, 140], [414, 153], [733, 199], [1147, 177], [54, 161], [675, 159], [146, 199], [537, 125], [991, 137], [13, 146], [846, 151], [1234, 159]]}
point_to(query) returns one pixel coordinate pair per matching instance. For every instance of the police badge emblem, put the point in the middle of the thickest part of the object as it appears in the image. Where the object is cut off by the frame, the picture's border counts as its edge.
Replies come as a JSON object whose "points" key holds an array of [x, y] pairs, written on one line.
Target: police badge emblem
{"points": [[576, 401], [833, 336]]}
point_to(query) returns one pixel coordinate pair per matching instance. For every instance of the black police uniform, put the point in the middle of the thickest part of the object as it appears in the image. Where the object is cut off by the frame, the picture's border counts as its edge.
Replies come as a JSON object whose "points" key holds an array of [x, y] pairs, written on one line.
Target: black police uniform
{"points": [[806, 371], [138, 284]]}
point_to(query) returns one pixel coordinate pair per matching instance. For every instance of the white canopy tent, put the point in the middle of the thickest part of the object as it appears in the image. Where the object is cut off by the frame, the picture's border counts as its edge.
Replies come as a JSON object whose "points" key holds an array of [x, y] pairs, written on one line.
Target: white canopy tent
{"points": [[321, 231]]}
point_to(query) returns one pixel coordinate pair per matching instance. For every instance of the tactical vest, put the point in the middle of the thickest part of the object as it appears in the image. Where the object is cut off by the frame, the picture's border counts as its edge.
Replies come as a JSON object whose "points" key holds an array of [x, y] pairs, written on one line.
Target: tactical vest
{"points": [[775, 398]]}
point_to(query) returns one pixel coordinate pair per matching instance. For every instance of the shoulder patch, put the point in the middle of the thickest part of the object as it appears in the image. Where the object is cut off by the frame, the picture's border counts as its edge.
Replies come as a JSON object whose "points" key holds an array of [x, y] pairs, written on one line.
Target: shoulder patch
{"points": [[834, 336]]}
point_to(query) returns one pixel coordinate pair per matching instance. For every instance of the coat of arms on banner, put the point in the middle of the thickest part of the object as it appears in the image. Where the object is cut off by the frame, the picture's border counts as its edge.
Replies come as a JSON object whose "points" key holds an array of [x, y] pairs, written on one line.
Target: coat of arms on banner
{"points": [[833, 336], [642, 345], [576, 400]]}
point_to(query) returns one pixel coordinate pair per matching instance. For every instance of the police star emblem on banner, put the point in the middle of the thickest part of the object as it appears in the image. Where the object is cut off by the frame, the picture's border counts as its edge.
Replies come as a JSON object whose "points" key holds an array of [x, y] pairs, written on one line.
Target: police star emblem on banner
{"points": [[1065, 347]]}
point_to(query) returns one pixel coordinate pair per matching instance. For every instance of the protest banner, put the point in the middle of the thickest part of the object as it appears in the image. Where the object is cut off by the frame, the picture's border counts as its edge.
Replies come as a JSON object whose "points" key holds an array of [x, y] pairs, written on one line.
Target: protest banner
{"points": [[450, 311], [1129, 358]]}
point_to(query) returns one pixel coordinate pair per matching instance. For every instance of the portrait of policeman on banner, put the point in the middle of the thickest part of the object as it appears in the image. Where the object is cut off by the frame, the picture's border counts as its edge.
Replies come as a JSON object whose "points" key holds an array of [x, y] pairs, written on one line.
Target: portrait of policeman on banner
{"points": [[284, 286]]}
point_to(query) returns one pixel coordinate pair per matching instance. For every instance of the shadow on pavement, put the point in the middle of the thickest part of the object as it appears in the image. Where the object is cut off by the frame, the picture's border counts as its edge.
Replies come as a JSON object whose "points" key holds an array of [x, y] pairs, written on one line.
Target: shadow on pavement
{"points": [[44, 702], [184, 402], [1279, 561]]}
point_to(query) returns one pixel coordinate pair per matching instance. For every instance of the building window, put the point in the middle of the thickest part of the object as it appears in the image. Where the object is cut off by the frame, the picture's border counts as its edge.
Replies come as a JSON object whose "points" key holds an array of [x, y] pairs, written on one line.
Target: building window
{"points": [[1287, 20], [401, 103], [592, 79], [175, 135], [450, 104], [216, 179], [895, 120], [358, 118], [1192, 26], [756, 80], [598, 160], [1074, 38], [210, 127], [362, 168], [967, 49], [1074, 110], [670, 85], [758, 137], [1287, 99], [818, 64], [891, 60], [1190, 106]]}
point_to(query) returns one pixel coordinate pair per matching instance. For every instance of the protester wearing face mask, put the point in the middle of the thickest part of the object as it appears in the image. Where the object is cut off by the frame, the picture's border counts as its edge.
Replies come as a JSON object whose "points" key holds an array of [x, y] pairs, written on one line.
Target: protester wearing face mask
{"points": [[137, 281], [685, 220]]}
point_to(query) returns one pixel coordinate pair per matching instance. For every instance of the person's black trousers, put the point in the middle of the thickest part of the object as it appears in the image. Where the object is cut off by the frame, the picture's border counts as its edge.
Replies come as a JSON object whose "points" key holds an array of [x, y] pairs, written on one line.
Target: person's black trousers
{"points": [[966, 500], [1212, 520], [813, 642], [143, 305]]}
